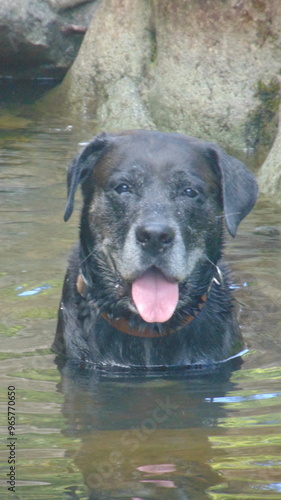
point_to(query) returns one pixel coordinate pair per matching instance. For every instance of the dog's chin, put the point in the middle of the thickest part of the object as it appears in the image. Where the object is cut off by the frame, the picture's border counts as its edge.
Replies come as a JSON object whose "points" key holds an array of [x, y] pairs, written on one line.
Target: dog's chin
{"points": [[151, 296]]}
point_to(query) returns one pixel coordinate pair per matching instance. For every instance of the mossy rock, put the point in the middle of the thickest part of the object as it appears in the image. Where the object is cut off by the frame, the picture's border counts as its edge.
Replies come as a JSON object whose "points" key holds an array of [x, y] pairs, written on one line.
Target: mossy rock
{"points": [[262, 123]]}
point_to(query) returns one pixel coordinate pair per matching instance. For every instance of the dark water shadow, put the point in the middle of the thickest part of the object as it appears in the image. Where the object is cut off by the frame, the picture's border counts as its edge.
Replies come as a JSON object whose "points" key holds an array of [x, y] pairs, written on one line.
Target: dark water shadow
{"points": [[144, 436]]}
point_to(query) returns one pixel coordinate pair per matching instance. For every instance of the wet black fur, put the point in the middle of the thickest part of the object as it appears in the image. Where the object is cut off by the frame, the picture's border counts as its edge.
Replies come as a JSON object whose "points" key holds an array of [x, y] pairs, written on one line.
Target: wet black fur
{"points": [[213, 336]]}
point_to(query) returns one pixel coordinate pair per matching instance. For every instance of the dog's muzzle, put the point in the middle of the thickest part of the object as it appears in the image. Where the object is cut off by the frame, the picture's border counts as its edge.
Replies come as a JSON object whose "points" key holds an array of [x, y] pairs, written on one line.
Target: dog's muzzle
{"points": [[154, 236]]}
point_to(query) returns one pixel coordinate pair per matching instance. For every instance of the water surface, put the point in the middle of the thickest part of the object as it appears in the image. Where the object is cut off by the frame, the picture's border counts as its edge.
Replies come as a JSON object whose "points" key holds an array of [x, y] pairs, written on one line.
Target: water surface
{"points": [[80, 436]]}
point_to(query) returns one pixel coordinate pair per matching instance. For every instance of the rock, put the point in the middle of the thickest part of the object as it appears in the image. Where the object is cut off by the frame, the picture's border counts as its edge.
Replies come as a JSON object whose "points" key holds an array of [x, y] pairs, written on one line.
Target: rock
{"points": [[108, 78], [32, 42], [176, 65], [269, 177], [66, 4], [267, 231]]}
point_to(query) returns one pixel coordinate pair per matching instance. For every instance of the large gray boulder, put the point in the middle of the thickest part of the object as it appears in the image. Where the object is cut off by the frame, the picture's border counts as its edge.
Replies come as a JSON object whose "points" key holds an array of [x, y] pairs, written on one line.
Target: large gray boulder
{"points": [[177, 65], [35, 36], [108, 79], [269, 177]]}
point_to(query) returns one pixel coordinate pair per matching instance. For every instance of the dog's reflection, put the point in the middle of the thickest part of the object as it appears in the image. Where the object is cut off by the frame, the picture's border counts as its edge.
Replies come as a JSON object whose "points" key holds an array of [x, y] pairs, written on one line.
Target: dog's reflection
{"points": [[144, 437]]}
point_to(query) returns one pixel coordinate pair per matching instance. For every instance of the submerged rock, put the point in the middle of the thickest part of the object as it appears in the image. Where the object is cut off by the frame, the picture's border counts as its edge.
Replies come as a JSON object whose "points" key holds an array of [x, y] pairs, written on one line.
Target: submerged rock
{"points": [[267, 231]]}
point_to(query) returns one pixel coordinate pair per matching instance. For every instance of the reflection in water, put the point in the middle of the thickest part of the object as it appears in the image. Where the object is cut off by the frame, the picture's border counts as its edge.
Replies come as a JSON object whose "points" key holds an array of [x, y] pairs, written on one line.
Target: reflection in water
{"points": [[173, 438], [142, 437], [152, 438]]}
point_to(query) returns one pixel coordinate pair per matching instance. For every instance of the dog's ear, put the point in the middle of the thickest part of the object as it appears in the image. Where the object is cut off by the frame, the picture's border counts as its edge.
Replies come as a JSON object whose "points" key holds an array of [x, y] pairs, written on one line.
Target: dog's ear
{"points": [[81, 167], [239, 187]]}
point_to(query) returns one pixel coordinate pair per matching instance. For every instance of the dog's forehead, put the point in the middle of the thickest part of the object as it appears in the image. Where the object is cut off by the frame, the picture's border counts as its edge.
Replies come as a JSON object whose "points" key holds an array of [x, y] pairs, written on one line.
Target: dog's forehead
{"points": [[156, 154]]}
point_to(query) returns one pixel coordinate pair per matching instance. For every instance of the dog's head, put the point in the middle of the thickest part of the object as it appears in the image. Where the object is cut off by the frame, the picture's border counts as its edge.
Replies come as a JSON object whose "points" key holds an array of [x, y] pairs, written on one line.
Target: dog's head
{"points": [[154, 206]]}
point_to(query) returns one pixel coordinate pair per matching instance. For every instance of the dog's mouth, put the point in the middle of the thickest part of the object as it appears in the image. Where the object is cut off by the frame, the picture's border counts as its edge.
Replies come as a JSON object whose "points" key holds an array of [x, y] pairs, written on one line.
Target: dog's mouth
{"points": [[155, 296]]}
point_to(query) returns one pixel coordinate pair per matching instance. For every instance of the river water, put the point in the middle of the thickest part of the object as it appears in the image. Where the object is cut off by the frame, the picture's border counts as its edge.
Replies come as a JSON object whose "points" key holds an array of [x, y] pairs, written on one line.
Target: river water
{"points": [[159, 438]]}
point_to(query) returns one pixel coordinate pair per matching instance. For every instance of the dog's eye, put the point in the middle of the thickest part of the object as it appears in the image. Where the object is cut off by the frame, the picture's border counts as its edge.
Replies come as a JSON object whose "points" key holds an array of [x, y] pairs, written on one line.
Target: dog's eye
{"points": [[191, 193], [122, 188]]}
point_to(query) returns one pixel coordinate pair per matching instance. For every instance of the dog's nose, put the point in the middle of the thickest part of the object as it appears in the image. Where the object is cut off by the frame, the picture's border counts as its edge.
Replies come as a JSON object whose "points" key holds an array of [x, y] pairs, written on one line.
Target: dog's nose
{"points": [[155, 236]]}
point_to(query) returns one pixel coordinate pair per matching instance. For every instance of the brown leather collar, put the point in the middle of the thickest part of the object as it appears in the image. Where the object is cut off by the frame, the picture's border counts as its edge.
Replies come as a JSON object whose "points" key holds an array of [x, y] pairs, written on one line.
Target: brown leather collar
{"points": [[122, 324]]}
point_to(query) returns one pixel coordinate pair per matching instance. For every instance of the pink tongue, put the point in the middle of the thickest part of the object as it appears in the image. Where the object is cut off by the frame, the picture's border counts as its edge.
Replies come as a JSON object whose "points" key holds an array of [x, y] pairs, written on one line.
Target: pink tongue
{"points": [[155, 298]]}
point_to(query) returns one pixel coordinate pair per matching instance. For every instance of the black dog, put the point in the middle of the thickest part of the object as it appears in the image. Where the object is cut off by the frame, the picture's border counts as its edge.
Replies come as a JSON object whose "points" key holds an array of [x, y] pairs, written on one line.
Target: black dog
{"points": [[145, 286]]}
